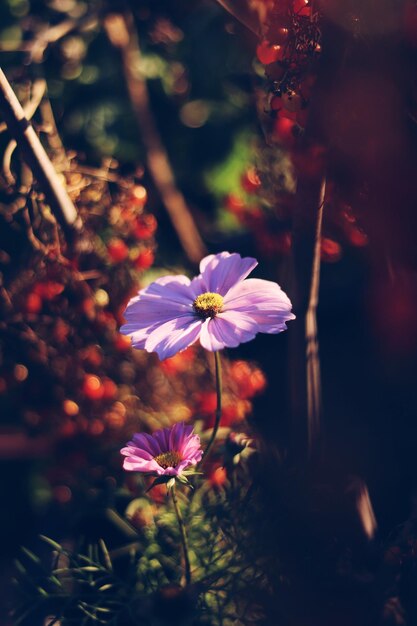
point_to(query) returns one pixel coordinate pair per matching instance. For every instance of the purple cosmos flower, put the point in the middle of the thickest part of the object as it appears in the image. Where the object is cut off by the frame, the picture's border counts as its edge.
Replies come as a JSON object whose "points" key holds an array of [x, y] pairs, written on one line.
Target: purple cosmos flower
{"points": [[218, 307], [167, 452]]}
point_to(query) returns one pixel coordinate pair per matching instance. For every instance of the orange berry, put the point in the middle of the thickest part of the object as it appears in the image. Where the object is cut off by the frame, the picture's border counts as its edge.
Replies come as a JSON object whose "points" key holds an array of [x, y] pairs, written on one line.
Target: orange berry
{"points": [[218, 477], [92, 387], [138, 196]]}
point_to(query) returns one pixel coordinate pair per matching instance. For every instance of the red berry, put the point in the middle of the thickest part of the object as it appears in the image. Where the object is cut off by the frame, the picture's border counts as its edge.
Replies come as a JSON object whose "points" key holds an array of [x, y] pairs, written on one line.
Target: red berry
{"points": [[88, 307], [302, 7], [206, 402], [49, 289], [145, 226], [284, 131], [357, 237], [92, 355], [234, 204], [109, 389], [33, 303], [92, 387], [61, 331], [269, 53], [144, 260], [117, 250], [330, 251], [122, 343], [179, 363], [250, 181]]}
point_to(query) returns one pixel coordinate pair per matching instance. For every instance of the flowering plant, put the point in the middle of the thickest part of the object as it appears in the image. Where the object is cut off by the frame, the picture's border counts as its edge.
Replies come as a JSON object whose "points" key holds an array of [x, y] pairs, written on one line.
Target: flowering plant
{"points": [[218, 307], [166, 454]]}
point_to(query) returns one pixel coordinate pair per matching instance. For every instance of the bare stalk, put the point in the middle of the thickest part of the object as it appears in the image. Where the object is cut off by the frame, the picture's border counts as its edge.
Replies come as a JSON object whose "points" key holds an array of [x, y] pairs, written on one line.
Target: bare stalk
{"points": [[122, 34], [218, 415], [183, 534], [304, 351]]}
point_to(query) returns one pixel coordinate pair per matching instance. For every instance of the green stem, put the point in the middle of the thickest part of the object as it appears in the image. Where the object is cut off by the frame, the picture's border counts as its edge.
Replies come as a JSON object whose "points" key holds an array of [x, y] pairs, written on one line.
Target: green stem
{"points": [[183, 534], [218, 370]]}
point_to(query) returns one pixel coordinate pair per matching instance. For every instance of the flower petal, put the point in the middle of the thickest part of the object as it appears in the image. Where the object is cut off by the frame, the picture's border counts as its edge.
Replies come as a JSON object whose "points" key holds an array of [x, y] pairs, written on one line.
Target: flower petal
{"points": [[173, 336], [179, 435], [192, 449], [136, 452], [134, 464], [146, 442], [261, 301], [208, 337], [162, 438], [164, 299], [222, 332], [257, 294], [220, 272]]}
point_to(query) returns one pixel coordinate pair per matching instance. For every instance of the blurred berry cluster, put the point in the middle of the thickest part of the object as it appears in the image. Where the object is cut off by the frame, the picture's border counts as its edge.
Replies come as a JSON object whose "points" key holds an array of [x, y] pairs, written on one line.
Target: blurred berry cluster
{"points": [[67, 376]]}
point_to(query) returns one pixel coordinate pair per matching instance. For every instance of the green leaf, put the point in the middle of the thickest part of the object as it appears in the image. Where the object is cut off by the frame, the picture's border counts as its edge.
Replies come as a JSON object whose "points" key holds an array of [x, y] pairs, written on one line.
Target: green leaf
{"points": [[106, 555], [31, 555], [52, 543]]}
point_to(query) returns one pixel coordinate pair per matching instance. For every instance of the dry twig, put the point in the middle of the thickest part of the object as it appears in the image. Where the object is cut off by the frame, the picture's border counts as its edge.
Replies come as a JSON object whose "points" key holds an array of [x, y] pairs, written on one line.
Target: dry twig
{"points": [[35, 156]]}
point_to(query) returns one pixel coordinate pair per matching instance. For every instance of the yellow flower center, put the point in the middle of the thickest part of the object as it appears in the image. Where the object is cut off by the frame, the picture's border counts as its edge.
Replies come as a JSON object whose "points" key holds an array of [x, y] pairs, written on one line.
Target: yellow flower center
{"points": [[168, 459], [208, 304]]}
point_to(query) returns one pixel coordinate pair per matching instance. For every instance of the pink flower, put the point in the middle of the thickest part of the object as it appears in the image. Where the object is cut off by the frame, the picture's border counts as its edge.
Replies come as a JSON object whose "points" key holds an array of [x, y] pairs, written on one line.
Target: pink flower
{"points": [[167, 452], [218, 307]]}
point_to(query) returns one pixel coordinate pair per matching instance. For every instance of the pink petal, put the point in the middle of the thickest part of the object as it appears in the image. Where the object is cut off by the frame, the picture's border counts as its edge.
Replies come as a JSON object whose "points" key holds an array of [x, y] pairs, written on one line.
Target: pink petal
{"points": [[208, 338], [175, 288], [173, 336], [178, 436], [221, 332], [146, 442], [137, 453], [162, 437], [192, 448], [134, 464], [257, 294], [221, 271], [162, 300], [261, 301]]}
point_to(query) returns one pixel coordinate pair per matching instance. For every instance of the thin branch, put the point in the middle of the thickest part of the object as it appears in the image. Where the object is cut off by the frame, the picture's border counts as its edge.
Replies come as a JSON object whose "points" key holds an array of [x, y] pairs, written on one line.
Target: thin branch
{"points": [[36, 158], [7, 160], [51, 34], [312, 344], [304, 351], [30, 108], [122, 34]]}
